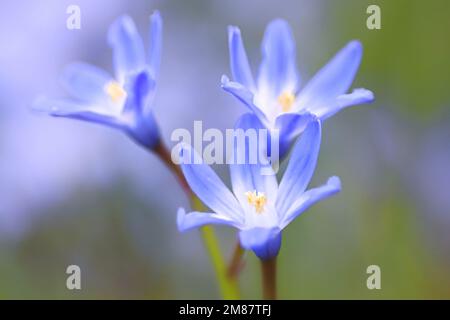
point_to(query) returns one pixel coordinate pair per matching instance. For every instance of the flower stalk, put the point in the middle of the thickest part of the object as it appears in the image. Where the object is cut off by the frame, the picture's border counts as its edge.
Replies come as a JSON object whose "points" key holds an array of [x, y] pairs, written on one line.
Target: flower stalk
{"points": [[164, 155], [269, 278], [227, 285], [237, 262]]}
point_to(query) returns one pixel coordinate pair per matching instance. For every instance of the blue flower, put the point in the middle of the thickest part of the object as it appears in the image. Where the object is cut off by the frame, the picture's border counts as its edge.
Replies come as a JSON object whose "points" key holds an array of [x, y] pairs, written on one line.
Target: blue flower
{"points": [[123, 101], [258, 206], [276, 97]]}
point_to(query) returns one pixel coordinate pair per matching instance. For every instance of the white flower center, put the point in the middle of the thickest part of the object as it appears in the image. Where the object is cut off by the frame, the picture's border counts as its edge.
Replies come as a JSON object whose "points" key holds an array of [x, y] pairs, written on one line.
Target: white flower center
{"points": [[256, 199], [286, 100], [115, 91]]}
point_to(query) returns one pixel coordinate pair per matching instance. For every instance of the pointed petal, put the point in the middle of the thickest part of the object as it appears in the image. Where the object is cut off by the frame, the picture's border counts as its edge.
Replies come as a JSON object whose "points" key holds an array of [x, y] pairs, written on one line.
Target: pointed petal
{"points": [[128, 48], [195, 219], [75, 110], [240, 67], [264, 242], [142, 125], [144, 130], [358, 96], [86, 82], [278, 71], [333, 80], [309, 198], [244, 95], [140, 89], [137, 112], [290, 126], [300, 168], [156, 30], [250, 169], [207, 185]]}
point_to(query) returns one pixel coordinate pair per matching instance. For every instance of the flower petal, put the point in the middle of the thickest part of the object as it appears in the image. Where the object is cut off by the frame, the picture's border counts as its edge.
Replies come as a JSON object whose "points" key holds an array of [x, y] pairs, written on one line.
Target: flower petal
{"points": [[86, 82], [128, 48], [300, 168], [333, 80], [156, 29], [278, 71], [140, 89], [240, 67], [358, 96], [142, 125], [76, 110], [196, 219], [250, 169], [290, 126], [144, 130], [264, 242], [245, 96], [309, 198], [207, 185]]}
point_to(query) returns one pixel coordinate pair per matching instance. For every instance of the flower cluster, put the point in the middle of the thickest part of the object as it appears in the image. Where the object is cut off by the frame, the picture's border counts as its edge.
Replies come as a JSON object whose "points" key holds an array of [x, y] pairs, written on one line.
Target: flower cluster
{"points": [[258, 206], [123, 101], [276, 97]]}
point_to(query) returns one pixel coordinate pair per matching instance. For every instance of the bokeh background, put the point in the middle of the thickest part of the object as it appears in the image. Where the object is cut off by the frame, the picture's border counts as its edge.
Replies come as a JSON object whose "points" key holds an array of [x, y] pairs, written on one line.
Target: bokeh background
{"points": [[77, 193]]}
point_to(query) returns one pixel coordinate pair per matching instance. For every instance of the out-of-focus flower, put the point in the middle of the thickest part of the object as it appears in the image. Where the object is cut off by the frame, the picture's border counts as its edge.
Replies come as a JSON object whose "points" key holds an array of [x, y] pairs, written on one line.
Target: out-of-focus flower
{"points": [[275, 97], [258, 206], [124, 101]]}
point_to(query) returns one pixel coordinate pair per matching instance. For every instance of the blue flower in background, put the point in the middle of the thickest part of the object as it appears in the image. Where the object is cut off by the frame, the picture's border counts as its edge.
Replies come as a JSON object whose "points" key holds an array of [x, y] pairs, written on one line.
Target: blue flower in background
{"points": [[258, 206], [124, 101], [276, 98]]}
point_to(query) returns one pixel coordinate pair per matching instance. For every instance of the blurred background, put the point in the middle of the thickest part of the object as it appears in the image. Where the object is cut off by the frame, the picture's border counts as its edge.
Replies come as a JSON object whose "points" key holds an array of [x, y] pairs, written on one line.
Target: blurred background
{"points": [[78, 193]]}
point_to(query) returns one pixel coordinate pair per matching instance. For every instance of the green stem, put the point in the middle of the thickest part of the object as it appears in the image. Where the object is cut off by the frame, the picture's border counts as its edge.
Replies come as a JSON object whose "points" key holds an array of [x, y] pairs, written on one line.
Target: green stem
{"points": [[269, 278], [228, 286]]}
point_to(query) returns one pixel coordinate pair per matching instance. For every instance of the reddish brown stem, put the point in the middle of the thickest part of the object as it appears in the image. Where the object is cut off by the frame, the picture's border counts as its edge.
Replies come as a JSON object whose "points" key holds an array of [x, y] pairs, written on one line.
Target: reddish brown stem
{"points": [[165, 156], [237, 262], [269, 278]]}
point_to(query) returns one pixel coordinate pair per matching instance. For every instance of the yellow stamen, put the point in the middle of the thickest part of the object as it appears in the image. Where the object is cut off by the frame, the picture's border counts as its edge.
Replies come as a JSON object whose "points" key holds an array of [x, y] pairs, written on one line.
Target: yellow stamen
{"points": [[115, 91], [256, 199], [286, 100]]}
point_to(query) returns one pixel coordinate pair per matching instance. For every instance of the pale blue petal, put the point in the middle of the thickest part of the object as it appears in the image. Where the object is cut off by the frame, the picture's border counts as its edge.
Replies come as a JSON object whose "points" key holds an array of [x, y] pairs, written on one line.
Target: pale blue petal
{"points": [[249, 168], [240, 67], [140, 89], [76, 110], [301, 167], [358, 96], [290, 126], [86, 82], [207, 185], [156, 30], [264, 242], [333, 80], [309, 198], [196, 219], [142, 125], [278, 71], [144, 129], [245, 96], [128, 48]]}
